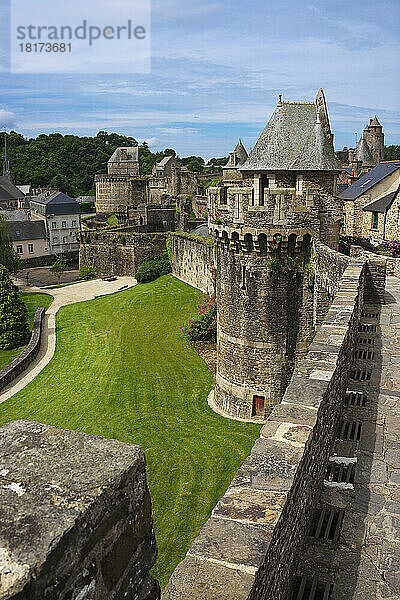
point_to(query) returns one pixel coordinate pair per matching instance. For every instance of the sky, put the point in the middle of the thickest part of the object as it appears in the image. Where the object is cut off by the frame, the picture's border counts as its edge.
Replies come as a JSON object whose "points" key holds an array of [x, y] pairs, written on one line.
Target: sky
{"points": [[217, 67]]}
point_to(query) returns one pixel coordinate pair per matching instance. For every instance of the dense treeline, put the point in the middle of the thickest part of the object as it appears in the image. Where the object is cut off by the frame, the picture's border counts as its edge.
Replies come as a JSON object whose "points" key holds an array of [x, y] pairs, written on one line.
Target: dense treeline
{"points": [[69, 162], [392, 153]]}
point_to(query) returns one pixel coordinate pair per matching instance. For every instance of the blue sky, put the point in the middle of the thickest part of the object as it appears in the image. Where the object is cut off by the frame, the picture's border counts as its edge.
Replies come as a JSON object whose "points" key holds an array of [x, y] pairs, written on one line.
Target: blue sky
{"points": [[217, 70]]}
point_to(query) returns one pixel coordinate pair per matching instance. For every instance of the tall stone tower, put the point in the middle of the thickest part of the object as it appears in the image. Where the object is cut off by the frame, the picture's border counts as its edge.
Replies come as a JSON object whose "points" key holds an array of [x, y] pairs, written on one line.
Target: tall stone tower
{"points": [[264, 219], [375, 139]]}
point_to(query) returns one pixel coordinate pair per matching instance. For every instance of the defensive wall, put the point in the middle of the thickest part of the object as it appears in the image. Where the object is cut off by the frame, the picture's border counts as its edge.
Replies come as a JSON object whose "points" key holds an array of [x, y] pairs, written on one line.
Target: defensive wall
{"points": [[119, 252], [250, 546], [194, 261], [69, 529]]}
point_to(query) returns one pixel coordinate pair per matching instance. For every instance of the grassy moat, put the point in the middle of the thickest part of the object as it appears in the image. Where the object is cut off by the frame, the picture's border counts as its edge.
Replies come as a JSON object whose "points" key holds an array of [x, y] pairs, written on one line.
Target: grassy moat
{"points": [[123, 370]]}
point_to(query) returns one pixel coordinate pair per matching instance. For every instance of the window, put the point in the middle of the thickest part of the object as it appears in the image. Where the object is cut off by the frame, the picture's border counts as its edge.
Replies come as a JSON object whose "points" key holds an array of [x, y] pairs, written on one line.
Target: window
{"points": [[64, 240], [73, 223], [55, 240], [30, 248], [19, 249], [64, 224], [224, 195], [375, 220], [53, 225]]}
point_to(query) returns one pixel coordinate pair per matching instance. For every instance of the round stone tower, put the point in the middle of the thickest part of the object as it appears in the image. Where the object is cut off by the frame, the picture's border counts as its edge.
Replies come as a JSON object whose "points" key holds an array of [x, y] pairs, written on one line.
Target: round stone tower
{"points": [[264, 220]]}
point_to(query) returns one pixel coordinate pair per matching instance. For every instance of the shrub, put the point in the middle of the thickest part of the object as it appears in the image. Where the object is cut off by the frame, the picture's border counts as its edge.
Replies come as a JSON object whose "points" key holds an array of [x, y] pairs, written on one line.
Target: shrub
{"points": [[203, 326], [153, 268], [122, 240], [58, 269], [14, 328], [88, 271]]}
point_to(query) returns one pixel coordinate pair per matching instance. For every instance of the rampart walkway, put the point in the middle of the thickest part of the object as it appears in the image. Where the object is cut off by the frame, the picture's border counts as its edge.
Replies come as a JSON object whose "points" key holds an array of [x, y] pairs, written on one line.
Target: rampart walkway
{"points": [[354, 546]]}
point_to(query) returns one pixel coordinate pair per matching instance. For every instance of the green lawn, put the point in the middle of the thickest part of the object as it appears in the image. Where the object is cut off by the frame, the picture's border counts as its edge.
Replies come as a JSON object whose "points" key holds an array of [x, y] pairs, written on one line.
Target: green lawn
{"points": [[122, 370], [32, 301]]}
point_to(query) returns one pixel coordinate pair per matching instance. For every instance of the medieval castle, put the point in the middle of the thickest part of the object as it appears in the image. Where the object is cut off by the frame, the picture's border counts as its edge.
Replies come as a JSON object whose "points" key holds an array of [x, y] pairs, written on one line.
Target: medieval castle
{"points": [[304, 346]]}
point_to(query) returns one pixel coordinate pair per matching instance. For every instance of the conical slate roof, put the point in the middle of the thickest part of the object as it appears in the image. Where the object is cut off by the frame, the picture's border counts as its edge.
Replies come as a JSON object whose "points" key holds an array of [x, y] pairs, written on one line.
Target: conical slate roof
{"points": [[363, 154], [241, 153], [294, 139], [375, 122]]}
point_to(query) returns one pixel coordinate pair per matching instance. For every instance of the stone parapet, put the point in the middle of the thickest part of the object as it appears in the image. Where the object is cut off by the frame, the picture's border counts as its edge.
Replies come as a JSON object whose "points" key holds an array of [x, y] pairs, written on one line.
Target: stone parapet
{"points": [[19, 364], [250, 546], [76, 518]]}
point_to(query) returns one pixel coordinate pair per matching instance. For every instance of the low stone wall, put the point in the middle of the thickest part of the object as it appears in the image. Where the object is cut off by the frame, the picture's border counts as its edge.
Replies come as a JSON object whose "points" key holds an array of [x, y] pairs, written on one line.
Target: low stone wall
{"points": [[19, 364], [120, 253], [71, 258], [70, 529], [250, 546], [193, 261]]}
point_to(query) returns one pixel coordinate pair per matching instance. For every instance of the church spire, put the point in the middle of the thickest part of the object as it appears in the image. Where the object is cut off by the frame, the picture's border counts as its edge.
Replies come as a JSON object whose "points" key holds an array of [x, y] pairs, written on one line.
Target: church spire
{"points": [[6, 162]]}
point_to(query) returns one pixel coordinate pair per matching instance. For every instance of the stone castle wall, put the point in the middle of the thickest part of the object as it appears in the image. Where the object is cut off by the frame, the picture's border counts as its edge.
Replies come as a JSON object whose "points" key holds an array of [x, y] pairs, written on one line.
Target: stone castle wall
{"points": [[69, 529], [250, 546], [119, 190], [194, 261], [120, 253]]}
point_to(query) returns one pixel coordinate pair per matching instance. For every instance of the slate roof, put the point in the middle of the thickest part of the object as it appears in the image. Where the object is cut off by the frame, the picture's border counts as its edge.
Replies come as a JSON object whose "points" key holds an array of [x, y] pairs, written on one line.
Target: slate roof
{"points": [[8, 191], [26, 230], [294, 139], [382, 204], [19, 214], [368, 180], [131, 154], [56, 203], [25, 189], [363, 153], [164, 161], [375, 122], [201, 230], [241, 153]]}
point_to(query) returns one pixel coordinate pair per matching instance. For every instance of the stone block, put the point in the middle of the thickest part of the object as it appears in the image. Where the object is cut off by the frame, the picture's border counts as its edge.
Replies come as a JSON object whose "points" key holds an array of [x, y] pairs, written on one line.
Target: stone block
{"points": [[271, 466], [76, 516], [231, 542], [195, 578], [250, 506]]}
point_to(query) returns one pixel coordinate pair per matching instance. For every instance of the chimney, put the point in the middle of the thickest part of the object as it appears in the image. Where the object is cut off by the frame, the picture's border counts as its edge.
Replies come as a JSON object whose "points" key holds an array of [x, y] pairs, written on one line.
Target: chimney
{"points": [[123, 154], [280, 100]]}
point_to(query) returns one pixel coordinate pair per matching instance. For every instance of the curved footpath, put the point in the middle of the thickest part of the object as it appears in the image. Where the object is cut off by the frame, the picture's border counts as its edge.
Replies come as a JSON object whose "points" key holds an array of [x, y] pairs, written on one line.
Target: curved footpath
{"points": [[70, 294]]}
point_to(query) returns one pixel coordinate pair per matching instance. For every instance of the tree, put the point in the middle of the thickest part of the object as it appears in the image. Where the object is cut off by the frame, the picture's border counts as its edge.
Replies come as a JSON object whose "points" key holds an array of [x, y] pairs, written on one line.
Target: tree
{"points": [[8, 258], [392, 153], [58, 269], [14, 328], [194, 163], [60, 182]]}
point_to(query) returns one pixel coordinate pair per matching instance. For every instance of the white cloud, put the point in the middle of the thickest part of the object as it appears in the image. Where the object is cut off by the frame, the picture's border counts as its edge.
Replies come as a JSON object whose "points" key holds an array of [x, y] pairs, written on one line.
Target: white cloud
{"points": [[7, 118]]}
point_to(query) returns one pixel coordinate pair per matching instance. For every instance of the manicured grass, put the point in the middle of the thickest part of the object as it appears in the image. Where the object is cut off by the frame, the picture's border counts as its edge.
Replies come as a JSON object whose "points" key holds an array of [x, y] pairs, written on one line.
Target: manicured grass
{"points": [[123, 370], [32, 301]]}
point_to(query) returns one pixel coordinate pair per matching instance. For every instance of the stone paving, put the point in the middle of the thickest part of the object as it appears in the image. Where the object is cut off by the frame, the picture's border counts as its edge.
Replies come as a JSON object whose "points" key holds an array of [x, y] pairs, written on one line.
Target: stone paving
{"points": [[364, 564], [69, 294]]}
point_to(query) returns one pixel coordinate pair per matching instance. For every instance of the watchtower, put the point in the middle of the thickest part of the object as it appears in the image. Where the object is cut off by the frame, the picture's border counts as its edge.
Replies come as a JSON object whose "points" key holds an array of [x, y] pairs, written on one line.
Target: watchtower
{"points": [[264, 220]]}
